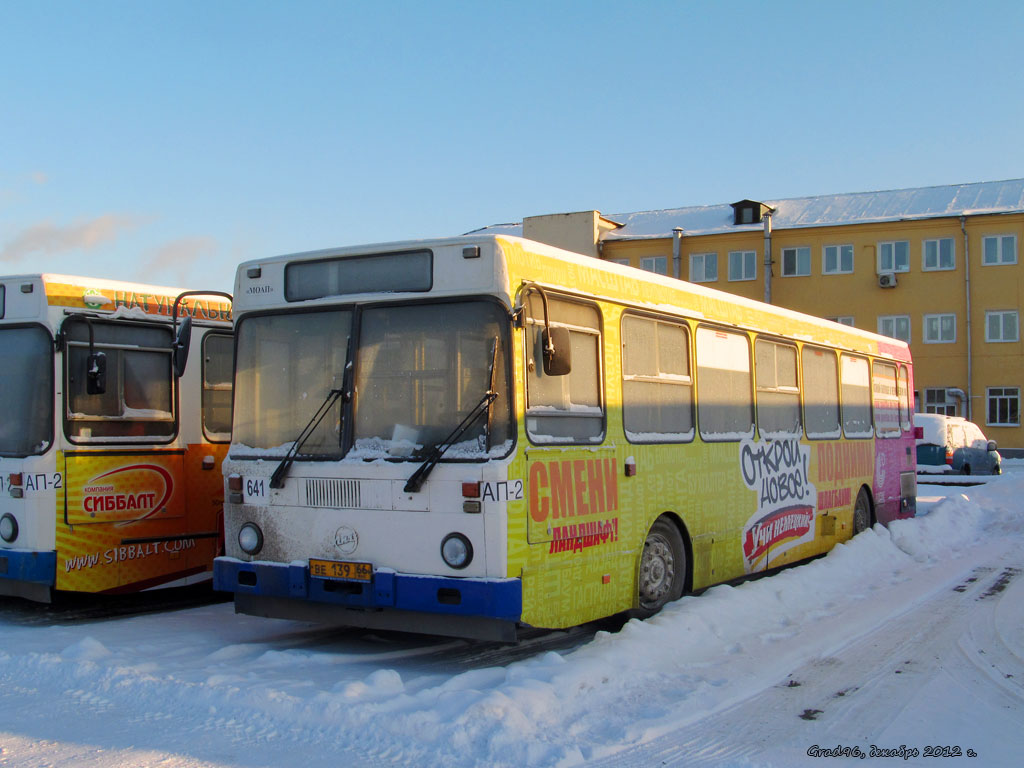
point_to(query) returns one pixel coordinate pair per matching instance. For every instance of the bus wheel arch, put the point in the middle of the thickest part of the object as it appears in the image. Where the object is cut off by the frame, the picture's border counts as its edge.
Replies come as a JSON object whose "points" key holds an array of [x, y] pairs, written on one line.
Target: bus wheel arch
{"points": [[863, 511], [663, 572]]}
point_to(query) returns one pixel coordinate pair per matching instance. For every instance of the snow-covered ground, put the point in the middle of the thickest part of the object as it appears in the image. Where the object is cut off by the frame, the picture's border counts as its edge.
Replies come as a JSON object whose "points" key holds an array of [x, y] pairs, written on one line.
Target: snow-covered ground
{"points": [[904, 639]]}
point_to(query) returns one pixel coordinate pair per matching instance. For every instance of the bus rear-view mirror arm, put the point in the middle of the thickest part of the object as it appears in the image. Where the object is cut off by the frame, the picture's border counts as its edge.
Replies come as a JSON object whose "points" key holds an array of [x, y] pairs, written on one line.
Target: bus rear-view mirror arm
{"points": [[183, 333], [556, 345]]}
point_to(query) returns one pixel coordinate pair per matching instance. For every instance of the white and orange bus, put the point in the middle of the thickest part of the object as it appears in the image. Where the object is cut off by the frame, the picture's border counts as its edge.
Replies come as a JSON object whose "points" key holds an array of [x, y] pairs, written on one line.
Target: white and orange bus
{"points": [[472, 435], [109, 462]]}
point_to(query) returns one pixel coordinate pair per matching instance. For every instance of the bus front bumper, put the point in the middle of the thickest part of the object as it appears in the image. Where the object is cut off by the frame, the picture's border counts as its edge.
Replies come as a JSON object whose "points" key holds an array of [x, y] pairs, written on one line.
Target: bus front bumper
{"points": [[27, 573], [391, 600]]}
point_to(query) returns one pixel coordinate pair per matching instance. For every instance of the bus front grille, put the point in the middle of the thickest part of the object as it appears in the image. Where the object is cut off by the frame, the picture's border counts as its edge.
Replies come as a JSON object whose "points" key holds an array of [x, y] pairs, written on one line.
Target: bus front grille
{"points": [[350, 494], [331, 493]]}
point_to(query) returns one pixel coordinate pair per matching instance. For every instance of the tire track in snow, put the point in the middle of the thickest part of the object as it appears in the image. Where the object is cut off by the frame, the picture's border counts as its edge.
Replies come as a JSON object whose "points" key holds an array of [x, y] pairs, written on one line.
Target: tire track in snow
{"points": [[851, 697]]}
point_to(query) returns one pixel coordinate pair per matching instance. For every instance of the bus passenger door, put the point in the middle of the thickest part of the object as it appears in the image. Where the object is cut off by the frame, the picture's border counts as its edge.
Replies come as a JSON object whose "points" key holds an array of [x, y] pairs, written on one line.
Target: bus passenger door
{"points": [[204, 493], [203, 458]]}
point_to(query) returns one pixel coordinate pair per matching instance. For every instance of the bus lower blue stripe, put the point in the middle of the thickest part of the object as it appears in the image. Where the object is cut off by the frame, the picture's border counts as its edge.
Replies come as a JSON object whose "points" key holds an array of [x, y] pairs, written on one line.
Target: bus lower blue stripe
{"points": [[492, 598]]}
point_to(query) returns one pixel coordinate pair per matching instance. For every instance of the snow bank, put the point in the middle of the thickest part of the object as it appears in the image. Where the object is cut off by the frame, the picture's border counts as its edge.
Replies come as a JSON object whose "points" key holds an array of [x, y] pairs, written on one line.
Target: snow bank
{"points": [[699, 656]]}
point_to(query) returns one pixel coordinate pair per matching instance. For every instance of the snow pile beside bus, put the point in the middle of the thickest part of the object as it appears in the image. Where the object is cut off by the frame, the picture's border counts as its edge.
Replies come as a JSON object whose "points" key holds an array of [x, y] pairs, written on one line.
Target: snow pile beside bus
{"points": [[699, 656]]}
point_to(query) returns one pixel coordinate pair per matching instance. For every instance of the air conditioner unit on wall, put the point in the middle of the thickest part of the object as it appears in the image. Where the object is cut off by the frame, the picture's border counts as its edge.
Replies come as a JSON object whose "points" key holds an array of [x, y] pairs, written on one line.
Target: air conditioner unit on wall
{"points": [[886, 279]]}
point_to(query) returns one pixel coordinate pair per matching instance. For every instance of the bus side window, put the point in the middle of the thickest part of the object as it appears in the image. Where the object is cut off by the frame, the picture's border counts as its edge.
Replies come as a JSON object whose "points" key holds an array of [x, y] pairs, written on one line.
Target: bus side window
{"points": [[657, 389], [217, 363], [138, 401], [821, 394], [855, 390], [886, 400], [725, 401], [778, 394], [569, 408], [904, 394]]}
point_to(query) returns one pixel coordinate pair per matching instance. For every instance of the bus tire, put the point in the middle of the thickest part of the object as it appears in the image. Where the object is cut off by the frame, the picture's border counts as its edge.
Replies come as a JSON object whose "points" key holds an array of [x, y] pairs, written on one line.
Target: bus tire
{"points": [[662, 572], [862, 512]]}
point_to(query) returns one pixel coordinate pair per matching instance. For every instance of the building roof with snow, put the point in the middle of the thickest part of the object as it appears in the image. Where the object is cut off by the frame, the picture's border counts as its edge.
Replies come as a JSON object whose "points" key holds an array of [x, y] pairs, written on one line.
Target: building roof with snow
{"points": [[987, 197]]}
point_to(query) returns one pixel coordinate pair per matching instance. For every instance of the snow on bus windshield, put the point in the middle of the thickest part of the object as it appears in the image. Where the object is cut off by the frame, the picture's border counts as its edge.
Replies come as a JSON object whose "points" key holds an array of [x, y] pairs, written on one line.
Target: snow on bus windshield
{"points": [[421, 368], [418, 370]]}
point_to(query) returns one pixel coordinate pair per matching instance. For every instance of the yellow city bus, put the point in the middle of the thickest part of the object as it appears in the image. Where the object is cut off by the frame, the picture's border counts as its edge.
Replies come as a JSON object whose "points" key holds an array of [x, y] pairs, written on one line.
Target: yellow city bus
{"points": [[469, 436], [110, 446]]}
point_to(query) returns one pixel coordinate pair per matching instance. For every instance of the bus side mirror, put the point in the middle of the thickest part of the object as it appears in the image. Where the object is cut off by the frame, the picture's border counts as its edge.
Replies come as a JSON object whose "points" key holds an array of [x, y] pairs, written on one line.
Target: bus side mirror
{"points": [[181, 345], [557, 351], [96, 374]]}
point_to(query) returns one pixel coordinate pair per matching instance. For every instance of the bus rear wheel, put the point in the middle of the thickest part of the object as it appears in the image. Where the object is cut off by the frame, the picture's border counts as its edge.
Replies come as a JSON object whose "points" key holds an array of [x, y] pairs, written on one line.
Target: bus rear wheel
{"points": [[662, 567], [861, 513]]}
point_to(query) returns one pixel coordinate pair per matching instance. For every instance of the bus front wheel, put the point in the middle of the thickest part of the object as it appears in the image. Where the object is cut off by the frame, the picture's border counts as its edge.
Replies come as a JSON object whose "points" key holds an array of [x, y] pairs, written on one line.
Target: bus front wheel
{"points": [[662, 567]]}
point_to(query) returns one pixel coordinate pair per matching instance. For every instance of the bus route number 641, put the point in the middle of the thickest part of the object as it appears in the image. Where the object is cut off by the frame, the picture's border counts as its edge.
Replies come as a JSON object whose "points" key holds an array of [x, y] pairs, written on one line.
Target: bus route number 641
{"points": [[255, 489]]}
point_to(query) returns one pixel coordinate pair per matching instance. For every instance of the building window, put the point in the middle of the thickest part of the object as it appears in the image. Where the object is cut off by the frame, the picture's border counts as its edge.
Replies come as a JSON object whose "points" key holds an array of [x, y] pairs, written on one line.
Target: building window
{"points": [[837, 260], [842, 319], [703, 267], [999, 249], [1002, 326], [940, 329], [938, 254], [623, 262], [937, 400], [742, 265], [796, 262], [894, 256], [656, 264], [749, 212], [1003, 406], [896, 326]]}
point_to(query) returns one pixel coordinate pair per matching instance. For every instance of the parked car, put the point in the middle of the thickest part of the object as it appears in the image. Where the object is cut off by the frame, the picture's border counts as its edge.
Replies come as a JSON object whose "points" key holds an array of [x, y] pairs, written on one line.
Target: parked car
{"points": [[953, 444]]}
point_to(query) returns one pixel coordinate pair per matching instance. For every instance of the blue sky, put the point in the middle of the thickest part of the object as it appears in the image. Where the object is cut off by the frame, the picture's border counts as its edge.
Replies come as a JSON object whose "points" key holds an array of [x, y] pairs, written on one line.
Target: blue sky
{"points": [[166, 142]]}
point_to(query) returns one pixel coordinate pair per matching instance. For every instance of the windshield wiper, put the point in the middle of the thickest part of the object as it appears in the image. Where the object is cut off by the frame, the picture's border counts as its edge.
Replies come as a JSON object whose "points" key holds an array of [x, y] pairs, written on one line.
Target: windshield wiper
{"points": [[415, 482], [277, 479]]}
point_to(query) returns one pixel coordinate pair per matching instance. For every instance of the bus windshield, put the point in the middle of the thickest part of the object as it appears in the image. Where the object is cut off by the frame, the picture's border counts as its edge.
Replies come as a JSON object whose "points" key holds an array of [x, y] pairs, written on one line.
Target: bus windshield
{"points": [[26, 380], [419, 369]]}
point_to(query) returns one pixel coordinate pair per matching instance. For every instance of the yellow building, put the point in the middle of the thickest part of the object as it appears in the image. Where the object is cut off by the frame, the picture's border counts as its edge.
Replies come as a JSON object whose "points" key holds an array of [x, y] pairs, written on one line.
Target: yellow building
{"points": [[936, 266]]}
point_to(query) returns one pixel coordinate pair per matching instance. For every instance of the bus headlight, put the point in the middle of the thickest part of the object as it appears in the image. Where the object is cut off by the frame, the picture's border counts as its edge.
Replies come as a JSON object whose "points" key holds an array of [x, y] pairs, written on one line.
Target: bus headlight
{"points": [[456, 550], [250, 538], [8, 528]]}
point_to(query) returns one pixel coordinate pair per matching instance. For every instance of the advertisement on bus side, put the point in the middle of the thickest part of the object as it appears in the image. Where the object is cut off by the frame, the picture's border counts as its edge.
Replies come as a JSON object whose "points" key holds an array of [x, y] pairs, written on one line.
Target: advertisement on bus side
{"points": [[121, 523]]}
